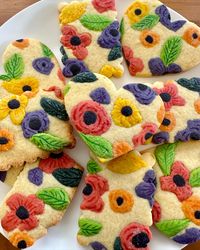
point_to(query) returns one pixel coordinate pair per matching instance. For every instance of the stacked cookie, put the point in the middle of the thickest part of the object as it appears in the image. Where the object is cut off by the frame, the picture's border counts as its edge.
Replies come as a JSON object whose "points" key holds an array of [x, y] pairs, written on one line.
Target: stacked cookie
{"points": [[132, 181]]}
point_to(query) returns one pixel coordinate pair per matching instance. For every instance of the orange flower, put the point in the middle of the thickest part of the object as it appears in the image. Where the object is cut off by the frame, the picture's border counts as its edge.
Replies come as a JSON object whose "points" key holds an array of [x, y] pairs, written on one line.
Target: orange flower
{"points": [[21, 43], [169, 122], [197, 106], [21, 240], [121, 148], [6, 140], [192, 36], [191, 209], [121, 201], [149, 38]]}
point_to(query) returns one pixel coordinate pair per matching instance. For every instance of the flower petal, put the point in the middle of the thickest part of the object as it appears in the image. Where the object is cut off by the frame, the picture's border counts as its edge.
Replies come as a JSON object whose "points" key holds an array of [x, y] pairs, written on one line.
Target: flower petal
{"points": [[17, 115], [10, 221]]}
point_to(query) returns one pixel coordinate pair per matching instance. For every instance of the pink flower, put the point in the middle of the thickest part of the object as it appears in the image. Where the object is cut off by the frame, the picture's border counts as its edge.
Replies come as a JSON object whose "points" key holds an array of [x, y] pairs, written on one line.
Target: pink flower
{"points": [[104, 5], [177, 182], [75, 41], [169, 95]]}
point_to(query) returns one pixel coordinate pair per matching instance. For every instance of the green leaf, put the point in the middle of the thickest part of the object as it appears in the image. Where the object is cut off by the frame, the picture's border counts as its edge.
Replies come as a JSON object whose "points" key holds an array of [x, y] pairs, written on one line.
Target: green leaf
{"points": [[115, 53], [46, 51], [54, 108], [117, 244], [69, 177], [172, 227], [67, 89], [89, 227], [171, 50], [122, 27], [100, 146], [85, 77], [14, 66], [95, 22], [192, 84], [57, 198], [165, 155], [5, 77], [93, 167], [147, 22], [48, 142], [195, 178]]}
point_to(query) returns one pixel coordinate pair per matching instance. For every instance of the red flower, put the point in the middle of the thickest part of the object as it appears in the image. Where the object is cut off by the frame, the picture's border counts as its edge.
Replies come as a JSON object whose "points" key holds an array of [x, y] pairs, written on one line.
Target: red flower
{"points": [[135, 237], [56, 161], [169, 95], [75, 41], [90, 117], [135, 65], [22, 214], [104, 5], [178, 181], [148, 130], [95, 187], [156, 212]]}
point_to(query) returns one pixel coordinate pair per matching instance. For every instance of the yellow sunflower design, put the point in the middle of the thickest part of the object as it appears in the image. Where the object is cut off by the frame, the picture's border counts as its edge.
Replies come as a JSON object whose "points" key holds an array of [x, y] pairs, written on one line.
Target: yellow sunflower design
{"points": [[137, 11], [125, 113], [28, 86], [15, 107]]}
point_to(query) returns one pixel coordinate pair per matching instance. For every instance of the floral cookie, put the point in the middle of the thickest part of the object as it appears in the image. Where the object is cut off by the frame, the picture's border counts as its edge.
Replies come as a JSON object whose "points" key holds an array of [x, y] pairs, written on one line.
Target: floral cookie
{"points": [[112, 122], [182, 106], [39, 198], [111, 214], [33, 120], [155, 45], [177, 207], [90, 38]]}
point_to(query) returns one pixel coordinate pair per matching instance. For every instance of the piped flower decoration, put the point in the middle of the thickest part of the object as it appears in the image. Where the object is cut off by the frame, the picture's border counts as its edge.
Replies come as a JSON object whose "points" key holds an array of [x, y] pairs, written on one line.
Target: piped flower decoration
{"points": [[192, 36], [15, 107], [137, 11], [21, 43], [6, 140], [190, 236], [104, 5], [74, 67], [177, 182], [192, 132], [23, 212], [43, 65], [21, 240], [75, 41], [170, 95], [90, 117], [149, 38], [168, 123], [95, 187], [191, 209], [35, 122]]}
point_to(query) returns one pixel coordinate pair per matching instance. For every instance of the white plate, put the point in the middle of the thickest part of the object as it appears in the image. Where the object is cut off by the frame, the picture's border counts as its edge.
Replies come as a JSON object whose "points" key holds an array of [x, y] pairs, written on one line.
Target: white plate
{"points": [[40, 21]]}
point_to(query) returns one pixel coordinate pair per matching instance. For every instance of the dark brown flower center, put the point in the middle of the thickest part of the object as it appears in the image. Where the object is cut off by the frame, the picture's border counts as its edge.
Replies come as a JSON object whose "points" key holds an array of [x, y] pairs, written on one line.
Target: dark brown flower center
{"points": [[75, 41], [120, 201], [197, 215], [165, 97], [179, 180], [14, 104], [22, 244], [149, 39], [195, 36], [127, 111], [166, 122], [35, 124], [114, 32], [26, 88], [89, 117], [22, 213], [56, 156], [148, 136], [140, 240], [20, 40], [3, 140], [87, 190], [138, 12], [75, 69]]}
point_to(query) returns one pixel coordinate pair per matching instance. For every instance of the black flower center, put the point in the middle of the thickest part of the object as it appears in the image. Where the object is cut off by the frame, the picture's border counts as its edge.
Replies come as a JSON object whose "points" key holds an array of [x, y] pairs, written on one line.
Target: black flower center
{"points": [[142, 87], [89, 117], [56, 156], [165, 97], [149, 39], [140, 240], [114, 32], [197, 215], [19, 40], [44, 64], [3, 140], [179, 180], [14, 104], [75, 69], [35, 124], [26, 88], [75, 41], [166, 122], [148, 136], [119, 201], [22, 213], [87, 190], [195, 36], [195, 136], [127, 111], [22, 244], [138, 12]]}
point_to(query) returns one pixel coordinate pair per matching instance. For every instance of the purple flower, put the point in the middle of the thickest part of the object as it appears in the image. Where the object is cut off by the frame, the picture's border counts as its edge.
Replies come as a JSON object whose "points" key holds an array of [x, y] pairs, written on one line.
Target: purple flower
{"points": [[97, 246], [35, 122], [35, 176], [147, 188], [110, 37], [161, 137], [43, 65], [192, 132], [191, 235], [143, 94], [100, 95], [165, 19], [158, 68], [74, 67], [3, 175]]}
